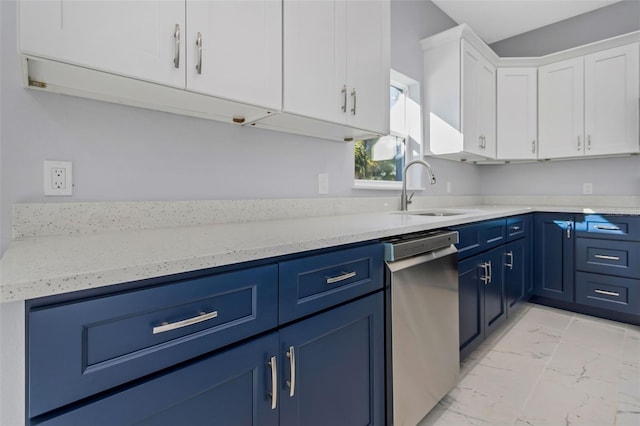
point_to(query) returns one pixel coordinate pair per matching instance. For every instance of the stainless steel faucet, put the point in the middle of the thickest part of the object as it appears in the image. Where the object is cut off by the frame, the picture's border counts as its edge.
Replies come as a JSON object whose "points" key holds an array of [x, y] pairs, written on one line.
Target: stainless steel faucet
{"points": [[404, 200]]}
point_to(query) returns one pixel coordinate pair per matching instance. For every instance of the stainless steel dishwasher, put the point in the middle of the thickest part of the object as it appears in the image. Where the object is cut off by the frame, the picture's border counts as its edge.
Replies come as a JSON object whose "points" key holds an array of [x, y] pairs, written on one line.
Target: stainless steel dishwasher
{"points": [[422, 343]]}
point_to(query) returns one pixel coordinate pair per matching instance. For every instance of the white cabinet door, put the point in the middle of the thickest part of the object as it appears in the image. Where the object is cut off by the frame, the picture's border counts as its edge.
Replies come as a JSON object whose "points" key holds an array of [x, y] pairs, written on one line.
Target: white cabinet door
{"points": [[478, 102], [470, 93], [336, 61], [314, 52], [234, 50], [561, 109], [611, 101], [368, 39], [487, 107], [517, 113], [136, 38]]}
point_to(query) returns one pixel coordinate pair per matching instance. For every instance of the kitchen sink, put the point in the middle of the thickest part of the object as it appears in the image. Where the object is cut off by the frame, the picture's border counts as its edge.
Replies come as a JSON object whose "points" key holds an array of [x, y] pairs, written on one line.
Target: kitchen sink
{"points": [[436, 213]]}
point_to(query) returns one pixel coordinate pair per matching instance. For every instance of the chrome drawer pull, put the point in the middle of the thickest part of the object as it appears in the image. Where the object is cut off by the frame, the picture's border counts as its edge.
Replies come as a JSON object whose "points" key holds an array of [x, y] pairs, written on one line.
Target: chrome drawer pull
{"points": [[515, 228], [344, 276], [274, 383], [607, 228], [199, 46], [486, 279], [179, 324], [292, 364], [604, 256], [344, 98], [607, 293]]}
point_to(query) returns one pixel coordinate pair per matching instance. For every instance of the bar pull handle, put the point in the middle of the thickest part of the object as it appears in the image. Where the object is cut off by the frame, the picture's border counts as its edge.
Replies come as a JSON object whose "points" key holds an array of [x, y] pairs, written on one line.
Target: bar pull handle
{"points": [[605, 257], [485, 278], [579, 144], [344, 276], [607, 228], [176, 55], [199, 45], [184, 323], [515, 228], [291, 354], [354, 96], [589, 142], [568, 230], [490, 272], [344, 98], [510, 264], [274, 383], [533, 146], [607, 293]]}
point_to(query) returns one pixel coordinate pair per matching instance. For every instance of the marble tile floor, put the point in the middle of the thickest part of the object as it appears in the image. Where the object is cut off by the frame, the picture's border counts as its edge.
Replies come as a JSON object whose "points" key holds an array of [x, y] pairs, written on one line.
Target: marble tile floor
{"points": [[548, 367]]}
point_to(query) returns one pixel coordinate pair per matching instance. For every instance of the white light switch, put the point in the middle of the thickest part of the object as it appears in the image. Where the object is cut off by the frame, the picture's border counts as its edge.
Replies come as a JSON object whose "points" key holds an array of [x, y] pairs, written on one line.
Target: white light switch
{"points": [[323, 183]]}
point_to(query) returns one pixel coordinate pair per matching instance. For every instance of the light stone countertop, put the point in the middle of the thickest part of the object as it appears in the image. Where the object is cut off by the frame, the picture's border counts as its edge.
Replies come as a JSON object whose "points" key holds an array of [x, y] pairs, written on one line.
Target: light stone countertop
{"points": [[47, 265]]}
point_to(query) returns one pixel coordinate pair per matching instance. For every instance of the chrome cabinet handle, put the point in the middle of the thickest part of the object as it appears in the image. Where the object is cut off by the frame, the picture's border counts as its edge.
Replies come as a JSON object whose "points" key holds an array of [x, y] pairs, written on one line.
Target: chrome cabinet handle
{"points": [[607, 228], [292, 365], [274, 383], [589, 142], [189, 321], [353, 95], [510, 264], [176, 55], [607, 293], [605, 257], [485, 278], [490, 272], [568, 230], [515, 228], [533, 146], [579, 144], [344, 276], [344, 98], [199, 45]]}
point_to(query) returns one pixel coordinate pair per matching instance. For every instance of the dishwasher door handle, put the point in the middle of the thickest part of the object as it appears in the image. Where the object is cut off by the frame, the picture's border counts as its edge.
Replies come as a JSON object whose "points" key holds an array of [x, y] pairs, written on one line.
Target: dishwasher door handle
{"points": [[430, 256]]}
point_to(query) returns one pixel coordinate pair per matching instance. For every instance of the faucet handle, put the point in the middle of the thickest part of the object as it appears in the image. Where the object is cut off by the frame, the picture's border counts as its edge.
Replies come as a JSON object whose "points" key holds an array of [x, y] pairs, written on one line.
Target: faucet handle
{"points": [[409, 198]]}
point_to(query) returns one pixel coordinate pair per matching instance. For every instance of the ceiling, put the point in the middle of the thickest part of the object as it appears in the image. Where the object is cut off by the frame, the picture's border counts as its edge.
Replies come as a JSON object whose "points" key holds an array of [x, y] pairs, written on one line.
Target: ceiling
{"points": [[495, 20]]}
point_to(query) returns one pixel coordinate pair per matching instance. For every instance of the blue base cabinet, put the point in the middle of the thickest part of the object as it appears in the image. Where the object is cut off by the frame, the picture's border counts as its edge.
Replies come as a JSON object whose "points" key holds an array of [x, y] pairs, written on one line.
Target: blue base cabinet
{"points": [[327, 370], [553, 256], [494, 275], [300, 342]]}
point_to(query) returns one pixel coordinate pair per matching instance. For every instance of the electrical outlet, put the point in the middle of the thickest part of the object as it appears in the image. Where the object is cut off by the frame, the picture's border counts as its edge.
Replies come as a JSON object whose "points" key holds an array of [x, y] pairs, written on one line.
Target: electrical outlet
{"points": [[587, 188], [58, 178]]}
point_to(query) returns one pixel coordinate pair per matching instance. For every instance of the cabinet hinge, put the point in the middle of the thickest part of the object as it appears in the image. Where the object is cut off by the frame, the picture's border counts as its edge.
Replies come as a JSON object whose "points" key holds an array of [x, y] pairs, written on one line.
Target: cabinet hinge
{"points": [[38, 84]]}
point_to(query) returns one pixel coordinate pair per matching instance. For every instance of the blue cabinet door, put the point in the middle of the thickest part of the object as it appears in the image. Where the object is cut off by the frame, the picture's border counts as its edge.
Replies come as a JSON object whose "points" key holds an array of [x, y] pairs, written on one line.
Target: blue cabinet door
{"points": [[333, 367], [471, 303], [517, 271], [553, 256], [495, 306], [231, 388]]}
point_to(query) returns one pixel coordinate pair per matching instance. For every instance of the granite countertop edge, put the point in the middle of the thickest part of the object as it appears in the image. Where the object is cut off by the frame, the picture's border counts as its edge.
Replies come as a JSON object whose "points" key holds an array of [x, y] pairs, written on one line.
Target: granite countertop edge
{"points": [[78, 262]]}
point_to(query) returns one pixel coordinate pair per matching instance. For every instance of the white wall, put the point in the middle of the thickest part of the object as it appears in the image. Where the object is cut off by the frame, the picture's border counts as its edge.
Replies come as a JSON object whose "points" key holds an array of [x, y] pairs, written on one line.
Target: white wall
{"points": [[124, 153]]}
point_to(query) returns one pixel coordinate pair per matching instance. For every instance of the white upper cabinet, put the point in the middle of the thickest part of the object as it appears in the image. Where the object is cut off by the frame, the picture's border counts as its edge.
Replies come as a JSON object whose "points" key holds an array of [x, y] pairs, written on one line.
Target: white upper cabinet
{"points": [[561, 109], [140, 39], [517, 113], [234, 50], [611, 103], [589, 104], [336, 62], [460, 100]]}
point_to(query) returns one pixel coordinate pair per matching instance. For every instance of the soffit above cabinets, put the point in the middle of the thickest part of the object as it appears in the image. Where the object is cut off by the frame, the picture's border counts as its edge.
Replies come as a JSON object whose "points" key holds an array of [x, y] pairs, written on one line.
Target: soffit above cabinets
{"points": [[496, 20]]}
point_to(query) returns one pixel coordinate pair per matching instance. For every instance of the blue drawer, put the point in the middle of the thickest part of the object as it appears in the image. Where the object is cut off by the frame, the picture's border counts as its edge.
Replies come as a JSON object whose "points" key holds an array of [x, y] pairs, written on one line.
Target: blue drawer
{"points": [[612, 293], [82, 348], [519, 227], [478, 237], [621, 258], [609, 227], [317, 282]]}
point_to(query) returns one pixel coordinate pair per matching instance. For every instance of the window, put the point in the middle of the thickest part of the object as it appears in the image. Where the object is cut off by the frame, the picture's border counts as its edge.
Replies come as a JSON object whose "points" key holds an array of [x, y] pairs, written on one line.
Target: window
{"points": [[379, 162]]}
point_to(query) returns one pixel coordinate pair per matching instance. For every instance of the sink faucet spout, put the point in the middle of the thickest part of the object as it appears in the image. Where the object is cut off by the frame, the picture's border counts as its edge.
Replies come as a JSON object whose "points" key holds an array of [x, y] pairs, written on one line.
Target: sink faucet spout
{"points": [[404, 200]]}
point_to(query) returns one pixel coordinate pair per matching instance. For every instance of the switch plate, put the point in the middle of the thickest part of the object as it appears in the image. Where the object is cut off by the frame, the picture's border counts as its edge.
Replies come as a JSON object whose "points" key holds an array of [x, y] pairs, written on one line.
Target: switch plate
{"points": [[587, 188], [323, 183], [58, 178], [448, 187]]}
